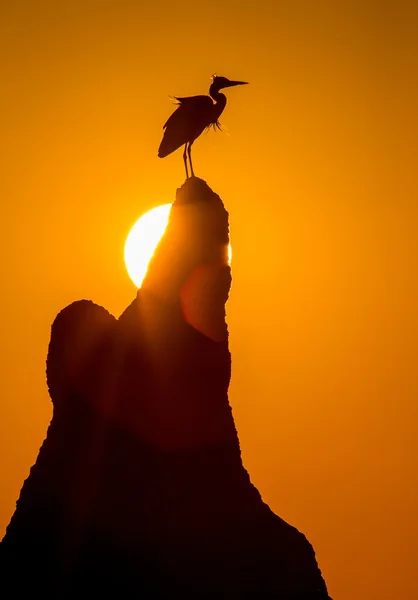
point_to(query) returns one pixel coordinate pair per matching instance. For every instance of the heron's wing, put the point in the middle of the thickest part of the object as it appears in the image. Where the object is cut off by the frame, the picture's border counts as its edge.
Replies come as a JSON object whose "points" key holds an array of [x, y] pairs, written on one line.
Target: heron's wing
{"points": [[195, 105], [187, 122], [197, 100]]}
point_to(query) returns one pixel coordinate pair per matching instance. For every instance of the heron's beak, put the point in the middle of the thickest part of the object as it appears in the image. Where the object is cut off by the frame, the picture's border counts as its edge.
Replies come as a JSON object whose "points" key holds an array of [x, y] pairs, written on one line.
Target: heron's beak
{"points": [[231, 83]]}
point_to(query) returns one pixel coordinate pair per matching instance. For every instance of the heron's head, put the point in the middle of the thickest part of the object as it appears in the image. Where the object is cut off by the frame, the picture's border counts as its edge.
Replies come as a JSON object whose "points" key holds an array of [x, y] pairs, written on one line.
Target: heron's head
{"points": [[218, 83]]}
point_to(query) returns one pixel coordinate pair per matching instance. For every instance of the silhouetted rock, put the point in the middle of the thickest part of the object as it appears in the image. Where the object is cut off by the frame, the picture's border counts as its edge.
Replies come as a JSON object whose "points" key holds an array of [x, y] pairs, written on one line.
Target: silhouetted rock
{"points": [[139, 490]]}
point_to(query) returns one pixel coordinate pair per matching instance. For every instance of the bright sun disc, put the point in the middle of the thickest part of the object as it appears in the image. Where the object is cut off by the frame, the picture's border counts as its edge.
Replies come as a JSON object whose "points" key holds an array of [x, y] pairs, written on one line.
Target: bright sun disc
{"points": [[142, 241]]}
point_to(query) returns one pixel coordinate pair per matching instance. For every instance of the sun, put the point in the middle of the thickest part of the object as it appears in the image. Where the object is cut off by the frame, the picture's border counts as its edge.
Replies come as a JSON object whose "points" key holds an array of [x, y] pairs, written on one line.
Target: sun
{"points": [[142, 240]]}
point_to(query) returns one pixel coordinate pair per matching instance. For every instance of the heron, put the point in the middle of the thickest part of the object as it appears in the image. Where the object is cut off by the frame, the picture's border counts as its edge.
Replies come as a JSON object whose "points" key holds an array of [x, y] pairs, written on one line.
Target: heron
{"points": [[193, 115]]}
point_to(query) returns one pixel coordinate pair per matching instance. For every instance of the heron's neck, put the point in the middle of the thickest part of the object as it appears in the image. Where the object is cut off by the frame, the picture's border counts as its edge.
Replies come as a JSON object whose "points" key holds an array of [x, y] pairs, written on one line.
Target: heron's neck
{"points": [[220, 100]]}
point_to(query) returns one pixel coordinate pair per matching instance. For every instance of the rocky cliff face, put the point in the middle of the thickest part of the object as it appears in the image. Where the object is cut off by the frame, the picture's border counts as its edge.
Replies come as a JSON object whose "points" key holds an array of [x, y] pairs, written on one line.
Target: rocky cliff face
{"points": [[139, 490]]}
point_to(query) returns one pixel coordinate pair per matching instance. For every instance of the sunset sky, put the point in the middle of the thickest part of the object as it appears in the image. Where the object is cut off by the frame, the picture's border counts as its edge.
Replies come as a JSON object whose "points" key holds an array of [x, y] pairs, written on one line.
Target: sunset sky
{"points": [[319, 175]]}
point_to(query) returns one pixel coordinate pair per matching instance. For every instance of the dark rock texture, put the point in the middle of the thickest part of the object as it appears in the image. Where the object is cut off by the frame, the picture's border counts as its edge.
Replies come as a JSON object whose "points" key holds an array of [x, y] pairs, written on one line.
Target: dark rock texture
{"points": [[139, 490]]}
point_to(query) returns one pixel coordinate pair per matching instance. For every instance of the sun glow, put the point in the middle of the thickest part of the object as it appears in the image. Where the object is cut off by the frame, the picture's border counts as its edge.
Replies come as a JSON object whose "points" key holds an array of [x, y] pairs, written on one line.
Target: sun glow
{"points": [[142, 240]]}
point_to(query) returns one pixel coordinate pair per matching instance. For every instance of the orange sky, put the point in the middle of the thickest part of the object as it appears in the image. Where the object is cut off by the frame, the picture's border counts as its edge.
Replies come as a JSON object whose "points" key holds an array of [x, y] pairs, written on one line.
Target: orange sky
{"points": [[319, 177]]}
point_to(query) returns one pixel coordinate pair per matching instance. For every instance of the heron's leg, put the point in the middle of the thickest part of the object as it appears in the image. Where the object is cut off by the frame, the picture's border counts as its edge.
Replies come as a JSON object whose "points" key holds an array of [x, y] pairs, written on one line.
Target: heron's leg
{"points": [[185, 161], [190, 157]]}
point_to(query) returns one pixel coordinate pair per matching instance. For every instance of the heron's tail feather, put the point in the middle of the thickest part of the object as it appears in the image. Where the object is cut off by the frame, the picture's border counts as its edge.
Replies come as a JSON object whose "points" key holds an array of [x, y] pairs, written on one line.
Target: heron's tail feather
{"points": [[168, 144], [164, 149]]}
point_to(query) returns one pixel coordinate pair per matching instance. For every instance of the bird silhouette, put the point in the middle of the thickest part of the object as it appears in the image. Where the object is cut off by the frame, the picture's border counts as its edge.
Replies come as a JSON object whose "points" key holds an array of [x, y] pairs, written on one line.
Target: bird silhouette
{"points": [[193, 115]]}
